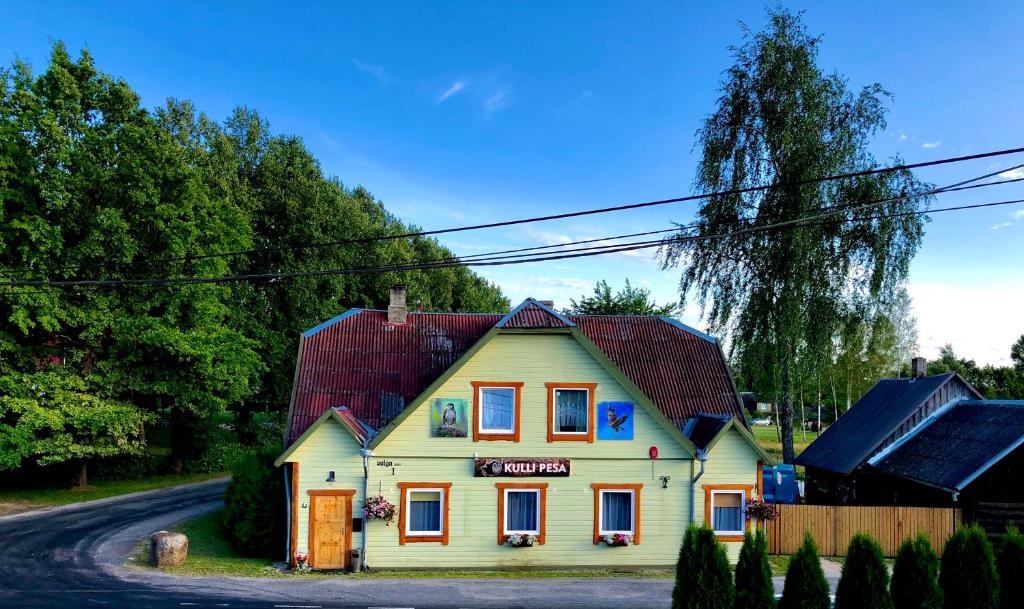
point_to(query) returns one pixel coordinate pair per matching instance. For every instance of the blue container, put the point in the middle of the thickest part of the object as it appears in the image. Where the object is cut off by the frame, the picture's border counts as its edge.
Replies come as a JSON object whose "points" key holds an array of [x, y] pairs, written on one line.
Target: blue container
{"points": [[779, 484]]}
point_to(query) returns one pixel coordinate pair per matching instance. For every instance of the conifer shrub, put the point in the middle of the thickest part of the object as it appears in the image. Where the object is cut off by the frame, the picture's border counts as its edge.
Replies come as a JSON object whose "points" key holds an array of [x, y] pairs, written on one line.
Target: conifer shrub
{"points": [[254, 506], [754, 589], [1011, 570], [915, 576], [806, 586], [703, 576], [865, 580], [968, 576]]}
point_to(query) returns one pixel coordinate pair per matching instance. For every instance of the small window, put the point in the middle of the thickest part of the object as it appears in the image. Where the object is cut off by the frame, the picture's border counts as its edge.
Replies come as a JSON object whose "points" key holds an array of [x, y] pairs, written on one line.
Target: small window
{"points": [[496, 410], [727, 512], [616, 510], [521, 509], [425, 512], [571, 411]]}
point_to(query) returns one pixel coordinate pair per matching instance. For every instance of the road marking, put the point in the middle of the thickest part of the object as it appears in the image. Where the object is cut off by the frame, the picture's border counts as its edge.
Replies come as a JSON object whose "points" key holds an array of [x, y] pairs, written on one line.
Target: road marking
{"points": [[299, 606]]}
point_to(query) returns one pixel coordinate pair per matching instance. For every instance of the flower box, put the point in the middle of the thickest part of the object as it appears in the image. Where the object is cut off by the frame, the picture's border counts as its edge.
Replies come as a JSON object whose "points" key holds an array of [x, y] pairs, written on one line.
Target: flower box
{"points": [[520, 541], [618, 540]]}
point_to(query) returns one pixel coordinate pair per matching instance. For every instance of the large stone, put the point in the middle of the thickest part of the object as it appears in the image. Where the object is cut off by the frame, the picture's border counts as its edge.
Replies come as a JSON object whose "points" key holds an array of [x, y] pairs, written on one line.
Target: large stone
{"points": [[167, 549]]}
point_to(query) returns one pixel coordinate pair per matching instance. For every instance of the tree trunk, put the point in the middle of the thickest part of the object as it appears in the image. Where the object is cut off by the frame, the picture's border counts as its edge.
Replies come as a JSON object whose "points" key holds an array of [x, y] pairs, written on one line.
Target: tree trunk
{"points": [[81, 481], [786, 413]]}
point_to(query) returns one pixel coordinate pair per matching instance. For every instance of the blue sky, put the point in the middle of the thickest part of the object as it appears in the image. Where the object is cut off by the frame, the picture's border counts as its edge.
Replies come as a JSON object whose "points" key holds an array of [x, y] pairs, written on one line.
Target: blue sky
{"points": [[455, 113]]}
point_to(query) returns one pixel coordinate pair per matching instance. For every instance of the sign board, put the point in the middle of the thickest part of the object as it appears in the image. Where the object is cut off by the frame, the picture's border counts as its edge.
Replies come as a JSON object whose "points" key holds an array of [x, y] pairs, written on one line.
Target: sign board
{"points": [[498, 467]]}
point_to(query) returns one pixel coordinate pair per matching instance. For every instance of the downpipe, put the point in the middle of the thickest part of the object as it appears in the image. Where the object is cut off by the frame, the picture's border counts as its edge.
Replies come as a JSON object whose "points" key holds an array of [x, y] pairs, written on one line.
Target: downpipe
{"points": [[703, 458], [366, 454]]}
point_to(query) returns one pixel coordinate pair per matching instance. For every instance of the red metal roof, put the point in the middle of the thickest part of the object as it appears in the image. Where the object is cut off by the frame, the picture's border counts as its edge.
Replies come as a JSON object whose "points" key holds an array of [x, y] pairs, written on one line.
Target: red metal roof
{"points": [[374, 368], [532, 314]]}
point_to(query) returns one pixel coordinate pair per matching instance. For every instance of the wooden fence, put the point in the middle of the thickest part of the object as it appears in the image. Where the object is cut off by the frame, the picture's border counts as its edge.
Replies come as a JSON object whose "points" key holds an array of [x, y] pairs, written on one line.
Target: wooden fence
{"points": [[833, 526]]}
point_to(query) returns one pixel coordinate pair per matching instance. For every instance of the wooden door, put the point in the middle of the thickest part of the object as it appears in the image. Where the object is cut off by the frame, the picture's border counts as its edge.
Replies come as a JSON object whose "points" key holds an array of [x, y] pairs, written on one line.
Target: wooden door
{"points": [[330, 535]]}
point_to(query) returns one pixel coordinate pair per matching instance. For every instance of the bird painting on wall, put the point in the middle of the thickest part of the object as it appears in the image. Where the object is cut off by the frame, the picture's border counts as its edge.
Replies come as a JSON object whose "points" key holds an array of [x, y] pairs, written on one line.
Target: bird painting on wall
{"points": [[448, 418], [615, 421]]}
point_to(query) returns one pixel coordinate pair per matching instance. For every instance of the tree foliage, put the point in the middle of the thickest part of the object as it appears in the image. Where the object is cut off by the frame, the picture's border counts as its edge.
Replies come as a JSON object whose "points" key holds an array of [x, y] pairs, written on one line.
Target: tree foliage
{"points": [[994, 382], [781, 293], [627, 301], [864, 583], [1010, 567], [915, 576], [254, 506], [703, 576], [754, 588], [805, 586], [968, 577]]}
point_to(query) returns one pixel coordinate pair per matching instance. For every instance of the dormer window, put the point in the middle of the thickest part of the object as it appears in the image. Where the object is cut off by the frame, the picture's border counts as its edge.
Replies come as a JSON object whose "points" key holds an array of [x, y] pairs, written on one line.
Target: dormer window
{"points": [[496, 410], [571, 411]]}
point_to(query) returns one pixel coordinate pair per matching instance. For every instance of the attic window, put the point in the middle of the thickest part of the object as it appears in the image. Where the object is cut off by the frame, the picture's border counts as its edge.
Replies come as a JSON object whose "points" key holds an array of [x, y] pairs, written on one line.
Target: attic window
{"points": [[571, 411], [496, 410]]}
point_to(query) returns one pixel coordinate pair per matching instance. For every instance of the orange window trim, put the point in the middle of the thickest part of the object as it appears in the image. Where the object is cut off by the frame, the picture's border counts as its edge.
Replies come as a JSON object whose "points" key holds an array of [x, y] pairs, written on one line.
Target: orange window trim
{"points": [[294, 533], [403, 537], [708, 488], [542, 487], [598, 487], [553, 435], [479, 435], [758, 478]]}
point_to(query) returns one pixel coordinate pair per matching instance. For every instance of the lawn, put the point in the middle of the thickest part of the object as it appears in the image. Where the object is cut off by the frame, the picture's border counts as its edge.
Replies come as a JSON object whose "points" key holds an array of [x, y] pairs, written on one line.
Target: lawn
{"points": [[17, 500], [768, 437]]}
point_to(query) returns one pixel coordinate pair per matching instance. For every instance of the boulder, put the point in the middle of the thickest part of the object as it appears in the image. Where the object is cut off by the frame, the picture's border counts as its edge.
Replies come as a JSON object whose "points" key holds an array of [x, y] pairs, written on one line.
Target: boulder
{"points": [[167, 549]]}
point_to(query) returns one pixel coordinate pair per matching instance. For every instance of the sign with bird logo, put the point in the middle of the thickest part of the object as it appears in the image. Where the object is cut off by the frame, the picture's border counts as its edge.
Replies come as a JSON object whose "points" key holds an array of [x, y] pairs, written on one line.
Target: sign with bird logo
{"points": [[497, 467], [615, 421], [448, 418]]}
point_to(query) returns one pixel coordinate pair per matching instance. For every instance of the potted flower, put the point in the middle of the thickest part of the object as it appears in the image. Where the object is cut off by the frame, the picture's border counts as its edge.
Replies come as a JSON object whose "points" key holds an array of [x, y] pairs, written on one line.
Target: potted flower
{"points": [[302, 563], [521, 540], [760, 511], [376, 507], [618, 539]]}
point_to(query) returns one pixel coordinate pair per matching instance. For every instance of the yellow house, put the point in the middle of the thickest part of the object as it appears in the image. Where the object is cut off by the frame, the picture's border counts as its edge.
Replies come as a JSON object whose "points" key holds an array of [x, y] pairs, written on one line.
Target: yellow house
{"points": [[526, 439]]}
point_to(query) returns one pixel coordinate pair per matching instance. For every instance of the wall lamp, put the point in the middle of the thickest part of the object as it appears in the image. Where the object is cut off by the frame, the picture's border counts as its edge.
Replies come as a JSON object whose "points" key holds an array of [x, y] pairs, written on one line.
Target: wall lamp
{"points": [[330, 476], [664, 481]]}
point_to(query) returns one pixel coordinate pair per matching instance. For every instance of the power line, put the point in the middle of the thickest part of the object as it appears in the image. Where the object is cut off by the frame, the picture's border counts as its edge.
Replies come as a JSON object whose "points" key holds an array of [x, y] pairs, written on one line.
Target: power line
{"points": [[818, 219], [600, 210]]}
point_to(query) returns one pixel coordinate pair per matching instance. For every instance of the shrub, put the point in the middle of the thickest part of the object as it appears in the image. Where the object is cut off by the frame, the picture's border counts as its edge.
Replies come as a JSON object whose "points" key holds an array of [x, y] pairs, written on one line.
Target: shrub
{"points": [[1011, 569], [754, 589], [915, 576], [865, 580], [968, 577], [806, 586], [254, 506], [703, 576]]}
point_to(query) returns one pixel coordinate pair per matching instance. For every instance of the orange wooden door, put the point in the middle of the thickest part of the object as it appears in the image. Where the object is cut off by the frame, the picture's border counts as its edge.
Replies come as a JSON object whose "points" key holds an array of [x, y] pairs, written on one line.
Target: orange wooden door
{"points": [[330, 538]]}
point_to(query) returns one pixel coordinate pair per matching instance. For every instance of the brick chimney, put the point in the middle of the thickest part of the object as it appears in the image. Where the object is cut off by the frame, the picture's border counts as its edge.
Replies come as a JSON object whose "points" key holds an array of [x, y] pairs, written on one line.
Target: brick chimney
{"points": [[397, 311], [918, 367]]}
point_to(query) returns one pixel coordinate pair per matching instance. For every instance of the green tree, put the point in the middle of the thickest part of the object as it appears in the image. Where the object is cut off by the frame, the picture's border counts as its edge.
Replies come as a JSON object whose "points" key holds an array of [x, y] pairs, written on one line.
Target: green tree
{"points": [[703, 576], [754, 588], [254, 512], [968, 577], [1010, 567], [994, 382], [627, 301], [1017, 354], [780, 119], [51, 417], [915, 576], [806, 586], [865, 580]]}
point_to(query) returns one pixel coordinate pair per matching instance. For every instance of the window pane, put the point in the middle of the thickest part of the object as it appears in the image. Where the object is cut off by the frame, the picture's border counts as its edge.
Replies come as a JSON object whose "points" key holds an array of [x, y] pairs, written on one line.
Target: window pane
{"points": [[497, 408], [571, 410], [617, 511], [727, 512], [425, 511], [521, 511]]}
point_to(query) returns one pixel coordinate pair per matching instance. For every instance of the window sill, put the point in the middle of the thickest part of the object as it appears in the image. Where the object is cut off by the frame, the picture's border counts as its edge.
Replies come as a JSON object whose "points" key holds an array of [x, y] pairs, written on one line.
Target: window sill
{"points": [[482, 436], [729, 536], [424, 538], [564, 437]]}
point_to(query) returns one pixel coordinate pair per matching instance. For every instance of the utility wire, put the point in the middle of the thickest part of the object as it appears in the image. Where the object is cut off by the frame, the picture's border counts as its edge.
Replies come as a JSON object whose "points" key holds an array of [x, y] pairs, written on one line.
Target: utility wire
{"points": [[587, 212]]}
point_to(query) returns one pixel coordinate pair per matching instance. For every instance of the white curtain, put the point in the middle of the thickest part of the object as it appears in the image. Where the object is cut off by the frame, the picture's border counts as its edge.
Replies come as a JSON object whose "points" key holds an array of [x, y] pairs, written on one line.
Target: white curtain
{"points": [[616, 511], [571, 406], [521, 510]]}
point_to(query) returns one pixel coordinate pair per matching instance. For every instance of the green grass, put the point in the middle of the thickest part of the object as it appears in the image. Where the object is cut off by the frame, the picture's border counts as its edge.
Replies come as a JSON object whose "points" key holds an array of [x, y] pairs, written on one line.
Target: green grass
{"points": [[12, 500], [768, 437], [778, 563]]}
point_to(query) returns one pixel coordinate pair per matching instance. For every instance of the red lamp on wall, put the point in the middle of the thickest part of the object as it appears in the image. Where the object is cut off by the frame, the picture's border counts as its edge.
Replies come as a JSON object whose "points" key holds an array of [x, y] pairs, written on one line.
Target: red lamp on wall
{"points": [[653, 452]]}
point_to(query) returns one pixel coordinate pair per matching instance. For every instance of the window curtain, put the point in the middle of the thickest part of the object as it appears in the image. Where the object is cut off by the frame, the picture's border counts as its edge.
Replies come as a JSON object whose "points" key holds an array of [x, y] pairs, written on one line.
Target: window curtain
{"points": [[497, 408], [572, 410], [617, 511], [425, 511], [728, 512], [521, 510]]}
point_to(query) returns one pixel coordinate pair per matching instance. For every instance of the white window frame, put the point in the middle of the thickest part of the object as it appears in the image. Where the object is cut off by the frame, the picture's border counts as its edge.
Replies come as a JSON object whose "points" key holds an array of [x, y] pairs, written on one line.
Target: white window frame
{"points": [[632, 511], [554, 412], [408, 510], [504, 517], [743, 508], [480, 423]]}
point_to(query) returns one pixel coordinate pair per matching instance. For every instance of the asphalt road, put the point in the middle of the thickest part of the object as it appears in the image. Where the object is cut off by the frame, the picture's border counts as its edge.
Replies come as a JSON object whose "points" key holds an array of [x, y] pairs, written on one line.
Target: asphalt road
{"points": [[74, 557]]}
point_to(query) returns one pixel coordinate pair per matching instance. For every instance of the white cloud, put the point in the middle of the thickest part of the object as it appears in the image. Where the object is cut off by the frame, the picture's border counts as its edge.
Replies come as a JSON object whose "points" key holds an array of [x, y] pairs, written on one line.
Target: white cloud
{"points": [[1013, 174], [1001, 225], [375, 71], [455, 87], [903, 137], [496, 102], [1019, 214], [930, 145]]}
